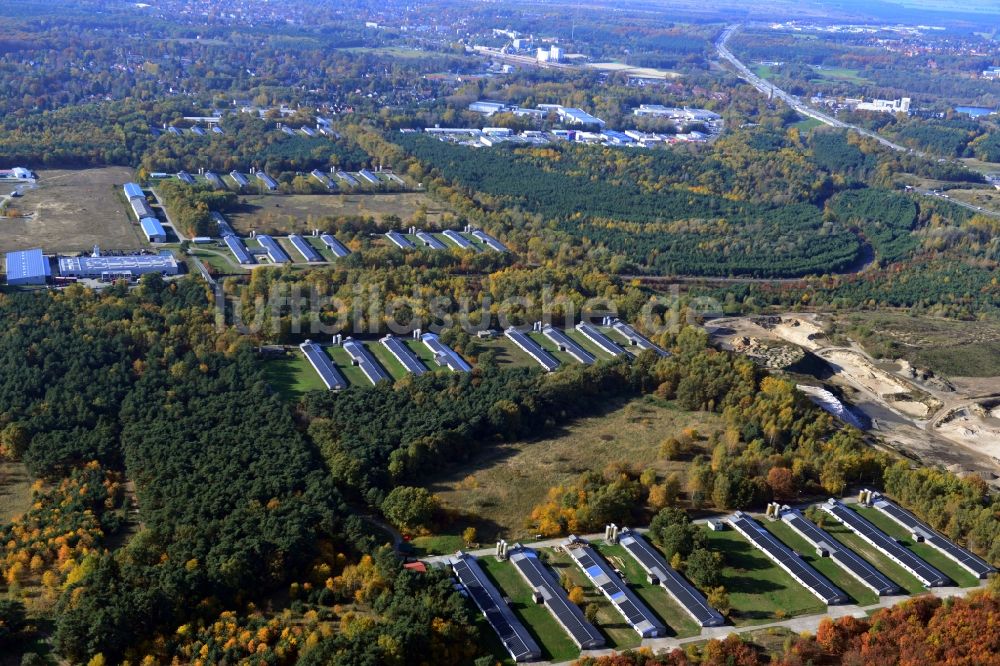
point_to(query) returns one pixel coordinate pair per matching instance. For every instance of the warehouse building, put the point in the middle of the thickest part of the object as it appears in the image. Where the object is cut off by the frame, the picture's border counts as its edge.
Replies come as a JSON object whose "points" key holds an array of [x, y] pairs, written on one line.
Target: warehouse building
{"points": [[153, 230], [274, 251], [924, 533], [132, 190], [113, 268], [335, 245], [547, 591], [661, 573], [141, 207], [444, 355], [787, 559], [269, 182], [27, 267]]}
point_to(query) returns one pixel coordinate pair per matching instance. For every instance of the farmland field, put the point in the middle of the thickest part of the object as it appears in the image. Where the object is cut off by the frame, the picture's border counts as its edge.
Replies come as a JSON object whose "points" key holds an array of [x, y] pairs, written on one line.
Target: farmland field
{"points": [[15, 490], [500, 488], [292, 376], [71, 210], [280, 214]]}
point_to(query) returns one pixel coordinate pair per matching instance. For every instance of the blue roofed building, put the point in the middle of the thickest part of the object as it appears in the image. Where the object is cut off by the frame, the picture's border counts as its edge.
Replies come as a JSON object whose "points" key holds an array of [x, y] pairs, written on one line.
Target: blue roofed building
{"points": [[153, 230], [27, 267], [133, 190]]}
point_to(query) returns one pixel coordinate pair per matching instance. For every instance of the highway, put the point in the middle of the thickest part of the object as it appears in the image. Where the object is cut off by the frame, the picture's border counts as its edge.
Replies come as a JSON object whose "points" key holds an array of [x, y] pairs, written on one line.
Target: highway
{"points": [[797, 104]]}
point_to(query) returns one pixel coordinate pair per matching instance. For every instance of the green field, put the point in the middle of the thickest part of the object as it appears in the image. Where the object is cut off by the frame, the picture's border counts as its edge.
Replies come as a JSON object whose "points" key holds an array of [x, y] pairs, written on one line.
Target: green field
{"points": [[555, 643], [423, 546], [292, 376], [352, 373], [806, 124], [387, 360], [678, 622], [861, 595], [948, 347], [582, 340], [508, 354], [759, 591], [15, 490], [841, 74], [763, 71], [928, 553], [300, 213]]}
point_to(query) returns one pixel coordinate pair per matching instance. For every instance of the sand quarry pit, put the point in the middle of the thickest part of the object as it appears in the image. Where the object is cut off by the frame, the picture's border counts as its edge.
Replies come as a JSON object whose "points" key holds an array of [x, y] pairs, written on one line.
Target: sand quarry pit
{"points": [[801, 332], [973, 426], [860, 371]]}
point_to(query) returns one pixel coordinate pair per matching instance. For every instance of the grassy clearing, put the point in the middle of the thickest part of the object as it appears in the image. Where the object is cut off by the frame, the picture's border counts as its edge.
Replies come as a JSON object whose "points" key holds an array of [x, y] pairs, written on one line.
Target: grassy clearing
{"points": [[678, 622], [610, 622], [825, 565], [841, 74], [806, 124], [352, 373], [551, 348], [896, 573], [421, 350], [928, 553], [218, 261], [759, 591], [582, 340], [555, 643], [15, 490], [387, 360], [502, 485], [292, 376], [436, 545], [508, 354], [283, 214]]}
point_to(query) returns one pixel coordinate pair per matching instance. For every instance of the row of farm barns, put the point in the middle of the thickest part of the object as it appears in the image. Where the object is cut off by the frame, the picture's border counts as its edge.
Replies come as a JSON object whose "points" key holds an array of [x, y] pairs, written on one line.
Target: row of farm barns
{"points": [[324, 247], [869, 550], [257, 179], [393, 357], [318, 248], [214, 128]]}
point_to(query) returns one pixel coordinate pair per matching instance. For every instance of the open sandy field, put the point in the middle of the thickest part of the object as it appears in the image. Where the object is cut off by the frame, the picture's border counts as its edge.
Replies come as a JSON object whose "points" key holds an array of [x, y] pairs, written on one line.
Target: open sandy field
{"points": [[862, 372], [644, 72], [71, 211], [294, 212]]}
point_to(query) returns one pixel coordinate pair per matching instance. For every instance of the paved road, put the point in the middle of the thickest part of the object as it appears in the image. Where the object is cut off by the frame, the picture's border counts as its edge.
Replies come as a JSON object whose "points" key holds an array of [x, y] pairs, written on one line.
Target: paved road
{"points": [[957, 202], [773, 91]]}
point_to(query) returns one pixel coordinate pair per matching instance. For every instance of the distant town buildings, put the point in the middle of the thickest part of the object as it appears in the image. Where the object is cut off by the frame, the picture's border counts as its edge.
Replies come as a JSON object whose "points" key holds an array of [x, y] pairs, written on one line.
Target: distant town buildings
{"points": [[993, 73], [550, 54], [885, 105], [677, 114], [566, 114]]}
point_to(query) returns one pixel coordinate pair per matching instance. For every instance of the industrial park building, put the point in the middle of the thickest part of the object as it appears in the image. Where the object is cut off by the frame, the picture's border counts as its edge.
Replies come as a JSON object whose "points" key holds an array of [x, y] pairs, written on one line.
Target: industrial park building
{"points": [[116, 267], [27, 267]]}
